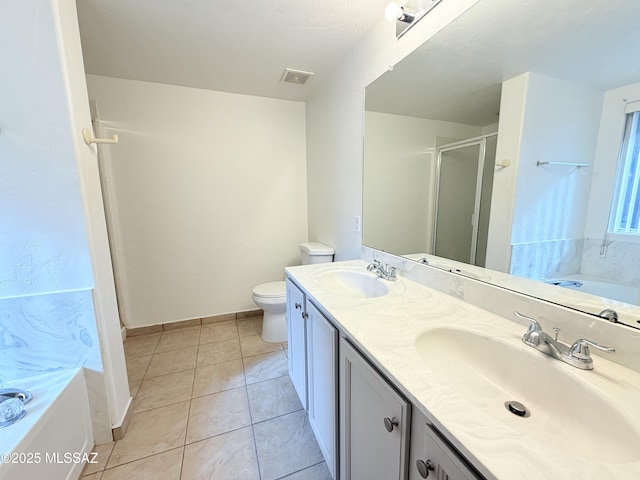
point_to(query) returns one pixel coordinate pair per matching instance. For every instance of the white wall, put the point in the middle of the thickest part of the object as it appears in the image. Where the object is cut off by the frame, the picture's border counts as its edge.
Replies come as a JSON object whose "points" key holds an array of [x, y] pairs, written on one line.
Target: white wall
{"points": [[550, 120], [54, 254], [399, 175], [115, 386], [512, 101], [560, 124], [43, 245], [334, 116], [209, 196]]}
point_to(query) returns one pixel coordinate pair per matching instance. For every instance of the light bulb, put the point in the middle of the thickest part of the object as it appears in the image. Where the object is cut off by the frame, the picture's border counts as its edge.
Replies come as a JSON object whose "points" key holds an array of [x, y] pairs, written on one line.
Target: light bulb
{"points": [[393, 11]]}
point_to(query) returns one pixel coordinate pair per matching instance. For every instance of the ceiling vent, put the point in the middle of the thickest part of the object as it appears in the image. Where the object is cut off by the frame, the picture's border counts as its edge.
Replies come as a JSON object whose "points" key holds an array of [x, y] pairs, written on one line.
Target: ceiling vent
{"points": [[295, 76]]}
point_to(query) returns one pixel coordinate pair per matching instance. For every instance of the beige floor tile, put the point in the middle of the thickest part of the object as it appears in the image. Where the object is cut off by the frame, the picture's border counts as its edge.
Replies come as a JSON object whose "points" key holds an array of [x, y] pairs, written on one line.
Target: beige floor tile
{"points": [[134, 386], [253, 345], [231, 456], [219, 377], [141, 345], [103, 451], [172, 361], [177, 339], [164, 390], [317, 472], [218, 413], [152, 432], [137, 367], [265, 367], [93, 476], [285, 445], [218, 332], [250, 326], [165, 466], [211, 353], [272, 398]]}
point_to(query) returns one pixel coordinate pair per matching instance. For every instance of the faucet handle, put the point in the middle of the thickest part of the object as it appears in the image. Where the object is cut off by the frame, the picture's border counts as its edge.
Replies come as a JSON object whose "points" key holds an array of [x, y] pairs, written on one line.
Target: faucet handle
{"points": [[533, 327], [580, 349]]}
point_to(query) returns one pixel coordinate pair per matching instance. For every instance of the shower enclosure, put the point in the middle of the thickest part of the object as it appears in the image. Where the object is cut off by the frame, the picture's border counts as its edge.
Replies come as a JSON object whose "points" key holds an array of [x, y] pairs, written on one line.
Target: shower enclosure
{"points": [[464, 180]]}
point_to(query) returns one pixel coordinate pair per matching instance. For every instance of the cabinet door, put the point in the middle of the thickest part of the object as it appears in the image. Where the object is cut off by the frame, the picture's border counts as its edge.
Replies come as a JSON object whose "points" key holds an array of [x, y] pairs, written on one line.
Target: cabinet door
{"points": [[417, 445], [297, 340], [374, 430], [440, 461], [322, 357]]}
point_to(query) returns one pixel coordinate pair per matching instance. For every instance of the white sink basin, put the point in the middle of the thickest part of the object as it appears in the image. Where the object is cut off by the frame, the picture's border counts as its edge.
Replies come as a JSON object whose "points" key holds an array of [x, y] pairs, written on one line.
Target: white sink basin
{"points": [[567, 410], [353, 283]]}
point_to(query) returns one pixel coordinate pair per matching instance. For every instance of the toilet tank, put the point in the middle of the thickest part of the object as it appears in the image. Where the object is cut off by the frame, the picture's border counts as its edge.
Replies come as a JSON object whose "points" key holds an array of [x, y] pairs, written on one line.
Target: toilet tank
{"points": [[315, 252]]}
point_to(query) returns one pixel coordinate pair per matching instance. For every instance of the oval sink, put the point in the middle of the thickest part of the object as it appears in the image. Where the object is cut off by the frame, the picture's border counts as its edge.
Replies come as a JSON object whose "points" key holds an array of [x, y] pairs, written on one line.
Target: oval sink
{"points": [[565, 411], [353, 283]]}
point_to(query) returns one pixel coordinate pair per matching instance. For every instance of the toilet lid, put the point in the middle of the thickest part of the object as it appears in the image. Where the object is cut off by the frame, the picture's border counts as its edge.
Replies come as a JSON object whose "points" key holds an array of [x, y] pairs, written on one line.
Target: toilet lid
{"points": [[271, 290]]}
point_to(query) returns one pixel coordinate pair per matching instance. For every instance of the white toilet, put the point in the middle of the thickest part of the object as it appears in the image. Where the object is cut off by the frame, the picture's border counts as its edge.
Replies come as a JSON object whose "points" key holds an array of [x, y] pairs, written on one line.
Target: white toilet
{"points": [[271, 297]]}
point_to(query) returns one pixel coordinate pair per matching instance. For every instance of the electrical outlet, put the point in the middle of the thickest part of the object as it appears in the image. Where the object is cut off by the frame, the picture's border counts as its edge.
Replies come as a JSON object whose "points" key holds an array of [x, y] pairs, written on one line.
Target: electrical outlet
{"points": [[357, 223]]}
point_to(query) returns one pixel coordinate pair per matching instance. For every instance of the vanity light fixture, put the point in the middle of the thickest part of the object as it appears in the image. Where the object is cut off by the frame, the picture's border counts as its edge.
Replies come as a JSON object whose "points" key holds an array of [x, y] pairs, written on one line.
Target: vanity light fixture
{"points": [[407, 13], [395, 11]]}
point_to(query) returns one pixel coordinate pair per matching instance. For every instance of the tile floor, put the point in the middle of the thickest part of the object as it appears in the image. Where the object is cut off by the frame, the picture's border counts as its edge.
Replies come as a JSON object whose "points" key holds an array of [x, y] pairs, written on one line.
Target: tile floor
{"points": [[211, 402]]}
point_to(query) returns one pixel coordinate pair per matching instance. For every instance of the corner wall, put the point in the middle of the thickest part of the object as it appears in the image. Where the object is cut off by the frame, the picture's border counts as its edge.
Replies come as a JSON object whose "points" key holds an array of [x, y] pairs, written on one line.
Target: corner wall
{"points": [[335, 118], [206, 196], [51, 280]]}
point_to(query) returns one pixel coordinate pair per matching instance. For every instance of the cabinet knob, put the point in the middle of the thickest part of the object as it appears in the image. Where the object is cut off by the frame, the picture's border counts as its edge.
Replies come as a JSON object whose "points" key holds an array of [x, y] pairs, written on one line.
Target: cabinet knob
{"points": [[305, 315], [425, 467], [297, 305], [389, 423]]}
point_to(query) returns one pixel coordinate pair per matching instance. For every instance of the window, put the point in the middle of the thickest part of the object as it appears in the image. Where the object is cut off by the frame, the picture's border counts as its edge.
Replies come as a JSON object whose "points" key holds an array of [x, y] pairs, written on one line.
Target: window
{"points": [[625, 212]]}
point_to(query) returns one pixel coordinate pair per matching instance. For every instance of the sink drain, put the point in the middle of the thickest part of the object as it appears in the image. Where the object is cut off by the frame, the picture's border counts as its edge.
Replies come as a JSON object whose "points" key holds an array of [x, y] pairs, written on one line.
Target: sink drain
{"points": [[517, 408]]}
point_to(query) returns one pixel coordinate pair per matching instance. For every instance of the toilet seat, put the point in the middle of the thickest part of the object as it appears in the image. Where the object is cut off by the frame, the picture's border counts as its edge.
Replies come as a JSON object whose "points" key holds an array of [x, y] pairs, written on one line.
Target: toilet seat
{"points": [[270, 290]]}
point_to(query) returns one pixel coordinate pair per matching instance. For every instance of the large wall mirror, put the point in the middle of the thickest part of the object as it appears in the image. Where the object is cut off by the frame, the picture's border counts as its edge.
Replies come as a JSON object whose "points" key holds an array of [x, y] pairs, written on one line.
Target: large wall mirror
{"points": [[503, 148]]}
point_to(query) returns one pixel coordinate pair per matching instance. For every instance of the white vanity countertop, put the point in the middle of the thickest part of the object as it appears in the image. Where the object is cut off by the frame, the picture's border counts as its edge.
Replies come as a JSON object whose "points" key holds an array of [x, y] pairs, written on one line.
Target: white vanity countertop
{"points": [[385, 329]]}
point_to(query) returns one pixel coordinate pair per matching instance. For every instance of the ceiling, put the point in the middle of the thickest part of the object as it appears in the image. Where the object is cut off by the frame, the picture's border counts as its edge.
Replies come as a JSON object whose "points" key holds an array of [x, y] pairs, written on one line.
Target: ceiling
{"points": [[240, 46], [457, 75]]}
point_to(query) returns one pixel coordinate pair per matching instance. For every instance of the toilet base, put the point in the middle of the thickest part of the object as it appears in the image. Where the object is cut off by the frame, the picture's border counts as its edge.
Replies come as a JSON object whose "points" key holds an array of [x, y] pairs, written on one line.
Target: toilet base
{"points": [[274, 327]]}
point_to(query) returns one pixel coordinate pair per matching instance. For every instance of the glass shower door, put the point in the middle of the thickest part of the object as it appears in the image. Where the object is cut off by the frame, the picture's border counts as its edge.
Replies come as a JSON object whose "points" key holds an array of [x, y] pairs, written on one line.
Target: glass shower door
{"points": [[458, 197]]}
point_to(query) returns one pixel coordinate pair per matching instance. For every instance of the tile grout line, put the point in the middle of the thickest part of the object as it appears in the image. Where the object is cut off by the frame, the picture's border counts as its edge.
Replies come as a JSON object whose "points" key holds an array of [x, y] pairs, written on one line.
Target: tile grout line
{"points": [[138, 459], [243, 358], [298, 471], [253, 431], [193, 382]]}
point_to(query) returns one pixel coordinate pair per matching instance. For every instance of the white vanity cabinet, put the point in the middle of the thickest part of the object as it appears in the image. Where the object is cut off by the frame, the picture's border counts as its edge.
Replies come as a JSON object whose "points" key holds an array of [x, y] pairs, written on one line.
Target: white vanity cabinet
{"points": [[322, 356], [313, 357], [375, 422], [364, 426], [431, 456], [297, 340]]}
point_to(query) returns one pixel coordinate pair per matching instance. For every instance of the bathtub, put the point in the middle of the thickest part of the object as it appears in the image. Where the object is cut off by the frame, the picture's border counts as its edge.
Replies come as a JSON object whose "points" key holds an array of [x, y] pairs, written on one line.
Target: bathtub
{"points": [[54, 440], [600, 287]]}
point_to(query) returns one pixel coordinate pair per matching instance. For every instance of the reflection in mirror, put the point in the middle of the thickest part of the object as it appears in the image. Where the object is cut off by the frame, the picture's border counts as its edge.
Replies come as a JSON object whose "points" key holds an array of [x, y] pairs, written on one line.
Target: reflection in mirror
{"points": [[546, 90], [463, 184]]}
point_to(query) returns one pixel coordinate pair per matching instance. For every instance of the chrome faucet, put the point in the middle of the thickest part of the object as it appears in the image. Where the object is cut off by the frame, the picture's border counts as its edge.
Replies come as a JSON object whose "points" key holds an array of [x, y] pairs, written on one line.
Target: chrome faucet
{"points": [[383, 270], [576, 355], [610, 314]]}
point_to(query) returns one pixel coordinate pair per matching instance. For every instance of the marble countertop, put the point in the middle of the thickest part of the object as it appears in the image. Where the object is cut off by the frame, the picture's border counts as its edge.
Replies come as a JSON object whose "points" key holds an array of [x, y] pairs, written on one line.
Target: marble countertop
{"points": [[385, 329]]}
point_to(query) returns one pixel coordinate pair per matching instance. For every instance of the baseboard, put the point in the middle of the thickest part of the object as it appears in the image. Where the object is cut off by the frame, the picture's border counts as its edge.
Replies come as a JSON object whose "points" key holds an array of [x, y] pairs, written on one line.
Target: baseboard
{"points": [[120, 430], [163, 327]]}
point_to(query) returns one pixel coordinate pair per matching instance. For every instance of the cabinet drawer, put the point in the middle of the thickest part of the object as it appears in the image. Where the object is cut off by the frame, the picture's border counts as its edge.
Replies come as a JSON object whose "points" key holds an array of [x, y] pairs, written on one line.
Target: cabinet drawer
{"points": [[440, 461]]}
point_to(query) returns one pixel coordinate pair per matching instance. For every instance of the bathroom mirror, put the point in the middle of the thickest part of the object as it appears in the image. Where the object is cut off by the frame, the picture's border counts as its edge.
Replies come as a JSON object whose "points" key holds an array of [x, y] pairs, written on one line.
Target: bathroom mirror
{"points": [[548, 84]]}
